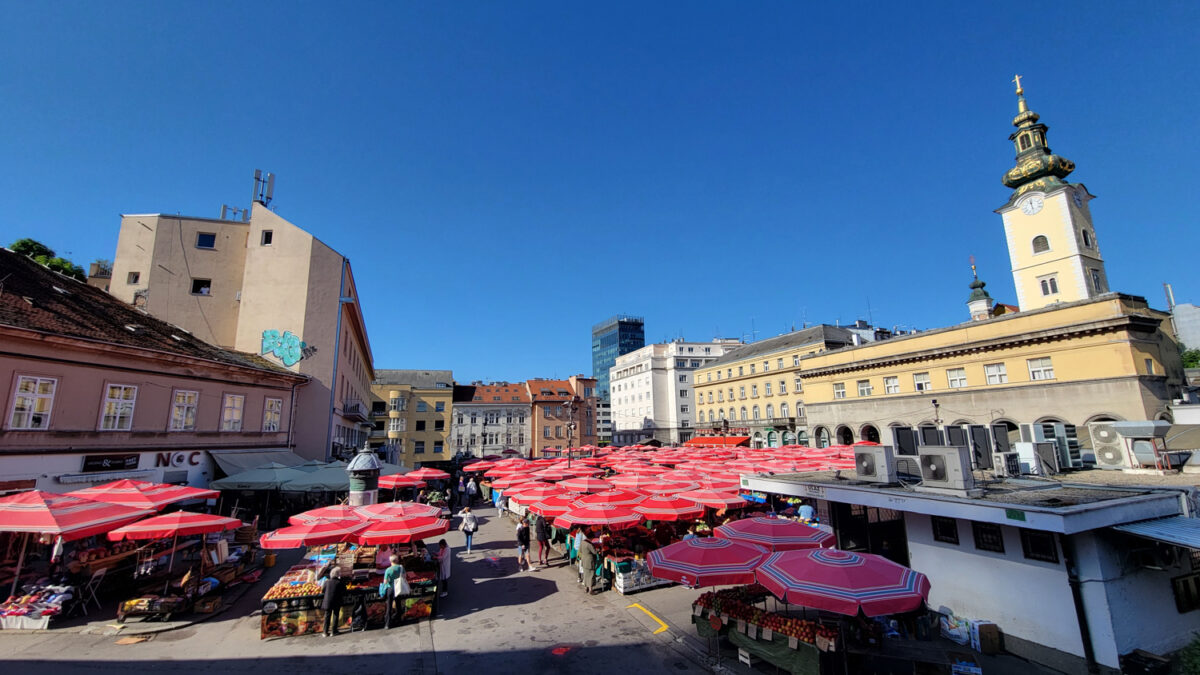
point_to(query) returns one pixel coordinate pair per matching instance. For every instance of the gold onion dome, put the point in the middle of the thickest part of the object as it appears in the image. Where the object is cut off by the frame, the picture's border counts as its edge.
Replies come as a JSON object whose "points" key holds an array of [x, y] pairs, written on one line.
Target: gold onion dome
{"points": [[1037, 168]]}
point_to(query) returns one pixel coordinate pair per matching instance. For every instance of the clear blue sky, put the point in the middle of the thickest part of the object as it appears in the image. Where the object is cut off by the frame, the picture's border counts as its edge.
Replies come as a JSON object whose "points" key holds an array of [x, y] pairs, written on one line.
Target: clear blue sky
{"points": [[503, 175]]}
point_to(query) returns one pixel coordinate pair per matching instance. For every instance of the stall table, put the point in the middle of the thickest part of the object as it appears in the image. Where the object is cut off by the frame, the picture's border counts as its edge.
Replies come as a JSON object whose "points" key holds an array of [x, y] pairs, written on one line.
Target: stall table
{"points": [[630, 575]]}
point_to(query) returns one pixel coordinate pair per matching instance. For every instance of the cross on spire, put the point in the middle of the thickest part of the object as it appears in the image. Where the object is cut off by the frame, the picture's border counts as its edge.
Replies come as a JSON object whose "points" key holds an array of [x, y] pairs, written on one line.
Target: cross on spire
{"points": [[1017, 79]]}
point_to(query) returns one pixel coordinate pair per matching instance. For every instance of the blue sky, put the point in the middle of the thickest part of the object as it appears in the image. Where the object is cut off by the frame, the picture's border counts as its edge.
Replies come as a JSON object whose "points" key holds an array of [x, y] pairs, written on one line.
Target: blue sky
{"points": [[504, 175]]}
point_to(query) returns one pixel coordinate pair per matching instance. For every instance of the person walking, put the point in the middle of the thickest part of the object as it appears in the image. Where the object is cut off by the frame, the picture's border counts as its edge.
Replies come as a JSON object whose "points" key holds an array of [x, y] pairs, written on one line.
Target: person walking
{"points": [[587, 561], [469, 525], [460, 492], [472, 491], [541, 530], [394, 573], [523, 546], [443, 560], [331, 602]]}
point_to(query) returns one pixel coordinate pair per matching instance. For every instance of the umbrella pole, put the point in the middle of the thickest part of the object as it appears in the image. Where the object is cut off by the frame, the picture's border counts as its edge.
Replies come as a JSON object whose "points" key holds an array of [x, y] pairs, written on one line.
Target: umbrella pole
{"points": [[20, 563]]}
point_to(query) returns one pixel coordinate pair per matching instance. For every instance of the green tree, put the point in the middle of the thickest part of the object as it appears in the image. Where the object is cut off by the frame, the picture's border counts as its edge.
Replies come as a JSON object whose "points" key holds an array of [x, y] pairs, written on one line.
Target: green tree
{"points": [[1191, 358], [45, 255]]}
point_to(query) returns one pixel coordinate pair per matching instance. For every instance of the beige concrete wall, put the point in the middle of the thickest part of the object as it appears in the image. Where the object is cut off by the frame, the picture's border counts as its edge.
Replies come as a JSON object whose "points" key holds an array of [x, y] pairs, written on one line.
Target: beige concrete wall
{"points": [[162, 250]]}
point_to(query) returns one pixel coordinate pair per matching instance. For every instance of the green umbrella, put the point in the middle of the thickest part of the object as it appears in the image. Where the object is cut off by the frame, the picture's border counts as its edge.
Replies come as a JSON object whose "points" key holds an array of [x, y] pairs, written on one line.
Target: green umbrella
{"points": [[329, 479], [266, 477], [310, 466]]}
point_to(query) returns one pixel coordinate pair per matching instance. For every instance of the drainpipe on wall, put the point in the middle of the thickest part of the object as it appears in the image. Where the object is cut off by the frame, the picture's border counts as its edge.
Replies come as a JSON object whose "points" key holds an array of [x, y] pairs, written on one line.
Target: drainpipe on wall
{"points": [[292, 419], [337, 350], [1085, 631]]}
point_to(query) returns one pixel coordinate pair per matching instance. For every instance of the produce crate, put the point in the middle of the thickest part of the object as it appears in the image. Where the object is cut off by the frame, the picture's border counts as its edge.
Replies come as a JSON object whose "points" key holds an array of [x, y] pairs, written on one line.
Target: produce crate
{"points": [[207, 605]]}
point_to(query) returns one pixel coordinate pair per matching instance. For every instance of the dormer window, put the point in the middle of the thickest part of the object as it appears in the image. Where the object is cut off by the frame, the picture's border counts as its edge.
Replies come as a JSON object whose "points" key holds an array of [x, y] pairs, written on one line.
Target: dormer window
{"points": [[1024, 141]]}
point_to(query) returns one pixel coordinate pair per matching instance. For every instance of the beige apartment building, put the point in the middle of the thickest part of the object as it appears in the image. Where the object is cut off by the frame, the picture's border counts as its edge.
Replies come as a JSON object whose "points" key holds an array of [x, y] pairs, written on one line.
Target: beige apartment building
{"points": [[97, 391], [263, 286], [563, 413], [417, 405]]}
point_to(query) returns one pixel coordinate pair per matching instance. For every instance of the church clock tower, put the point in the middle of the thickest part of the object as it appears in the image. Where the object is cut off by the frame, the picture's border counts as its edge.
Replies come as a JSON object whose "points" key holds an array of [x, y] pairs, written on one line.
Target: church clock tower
{"points": [[1047, 222]]}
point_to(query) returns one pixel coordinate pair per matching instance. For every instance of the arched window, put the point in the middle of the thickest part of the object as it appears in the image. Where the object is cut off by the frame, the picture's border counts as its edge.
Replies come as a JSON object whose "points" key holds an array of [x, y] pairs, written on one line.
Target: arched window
{"points": [[770, 411], [1041, 244], [1024, 140], [783, 409], [710, 416], [743, 413], [732, 414], [754, 412], [721, 413], [1087, 238]]}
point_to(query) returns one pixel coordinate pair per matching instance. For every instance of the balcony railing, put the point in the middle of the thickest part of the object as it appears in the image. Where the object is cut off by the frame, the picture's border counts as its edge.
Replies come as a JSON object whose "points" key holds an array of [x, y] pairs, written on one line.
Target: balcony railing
{"points": [[781, 422], [355, 410]]}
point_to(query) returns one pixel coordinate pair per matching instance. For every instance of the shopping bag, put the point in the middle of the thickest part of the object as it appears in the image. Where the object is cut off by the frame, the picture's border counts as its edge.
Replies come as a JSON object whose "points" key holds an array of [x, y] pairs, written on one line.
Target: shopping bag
{"points": [[383, 589]]}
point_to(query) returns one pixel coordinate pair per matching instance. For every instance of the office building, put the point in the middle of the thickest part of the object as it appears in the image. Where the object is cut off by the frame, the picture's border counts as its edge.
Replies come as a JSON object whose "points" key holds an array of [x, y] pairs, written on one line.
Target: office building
{"points": [[611, 338]]}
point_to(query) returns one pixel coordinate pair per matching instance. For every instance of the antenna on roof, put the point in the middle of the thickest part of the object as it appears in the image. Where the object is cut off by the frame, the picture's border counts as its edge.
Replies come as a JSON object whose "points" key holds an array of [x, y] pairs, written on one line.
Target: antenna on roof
{"points": [[264, 188]]}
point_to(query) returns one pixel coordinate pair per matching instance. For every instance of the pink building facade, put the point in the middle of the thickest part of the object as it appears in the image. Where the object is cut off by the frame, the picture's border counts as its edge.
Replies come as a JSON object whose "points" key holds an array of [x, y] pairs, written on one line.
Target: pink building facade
{"points": [[96, 390]]}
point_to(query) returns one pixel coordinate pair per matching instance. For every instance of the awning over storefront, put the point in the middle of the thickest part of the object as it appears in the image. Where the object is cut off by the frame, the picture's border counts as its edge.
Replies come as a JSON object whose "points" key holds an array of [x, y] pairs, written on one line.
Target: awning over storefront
{"points": [[237, 461], [1177, 530], [717, 441], [105, 476]]}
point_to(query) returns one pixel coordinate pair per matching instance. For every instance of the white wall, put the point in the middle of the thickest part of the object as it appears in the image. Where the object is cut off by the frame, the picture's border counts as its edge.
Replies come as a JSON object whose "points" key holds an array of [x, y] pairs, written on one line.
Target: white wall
{"points": [[1025, 598]]}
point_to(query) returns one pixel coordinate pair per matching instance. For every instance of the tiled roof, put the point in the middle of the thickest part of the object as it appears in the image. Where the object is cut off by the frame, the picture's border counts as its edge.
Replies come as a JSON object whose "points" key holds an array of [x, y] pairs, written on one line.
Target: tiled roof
{"points": [[549, 390], [33, 297], [419, 379], [500, 393]]}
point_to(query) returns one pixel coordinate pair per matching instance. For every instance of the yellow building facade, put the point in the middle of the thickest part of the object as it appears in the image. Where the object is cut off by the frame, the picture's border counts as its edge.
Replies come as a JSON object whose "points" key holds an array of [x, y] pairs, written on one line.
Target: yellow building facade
{"points": [[414, 407]]}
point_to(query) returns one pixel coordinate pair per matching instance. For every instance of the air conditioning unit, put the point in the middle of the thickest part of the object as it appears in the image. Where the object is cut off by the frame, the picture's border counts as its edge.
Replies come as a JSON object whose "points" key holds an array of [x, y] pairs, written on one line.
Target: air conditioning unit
{"points": [[875, 463], [1039, 459], [946, 467], [1128, 445], [1007, 464], [1062, 436]]}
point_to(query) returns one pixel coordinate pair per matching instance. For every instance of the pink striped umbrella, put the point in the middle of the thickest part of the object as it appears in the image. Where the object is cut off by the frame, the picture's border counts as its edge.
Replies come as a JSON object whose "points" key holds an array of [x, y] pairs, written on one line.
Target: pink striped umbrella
{"points": [[776, 534], [475, 467], [178, 524], [392, 510], [550, 474], [66, 516], [669, 508], [705, 562], [843, 582], [614, 517], [428, 473], [553, 506], [313, 533], [402, 530], [141, 494], [579, 470], [714, 498], [611, 498], [396, 481], [723, 485], [586, 485], [648, 469], [682, 475]]}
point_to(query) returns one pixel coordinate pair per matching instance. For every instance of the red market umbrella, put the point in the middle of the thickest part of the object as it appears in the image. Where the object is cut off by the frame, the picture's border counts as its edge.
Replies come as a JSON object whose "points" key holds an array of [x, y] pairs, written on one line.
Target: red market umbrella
{"points": [[635, 481], [670, 488], [556, 505], [398, 480], [585, 484], [669, 508], [576, 470], [391, 510], [843, 582], [715, 498], [613, 517], [775, 534], [313, 533], [141, 494], [501, 471], [478, 466], [512, 480], [682, 475], [722, 484], [336, 512], [66, 516], [178, 524], [551, 474], [529, 493], [402, 530], [611, 498], [428, 473], [705, 562], [647, 469]]}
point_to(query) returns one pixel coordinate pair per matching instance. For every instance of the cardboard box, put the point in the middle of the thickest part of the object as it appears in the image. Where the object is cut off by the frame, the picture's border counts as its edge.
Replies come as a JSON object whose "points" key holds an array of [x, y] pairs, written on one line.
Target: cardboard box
{"points": [[964, 664], [985, 637]]}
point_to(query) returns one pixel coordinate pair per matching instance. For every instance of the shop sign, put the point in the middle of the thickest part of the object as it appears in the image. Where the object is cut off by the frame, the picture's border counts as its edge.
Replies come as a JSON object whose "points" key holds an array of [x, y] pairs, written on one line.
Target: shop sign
{"points": [[93, 463], [1014, 514], [15, 485], [814, 491], [177, 459]]}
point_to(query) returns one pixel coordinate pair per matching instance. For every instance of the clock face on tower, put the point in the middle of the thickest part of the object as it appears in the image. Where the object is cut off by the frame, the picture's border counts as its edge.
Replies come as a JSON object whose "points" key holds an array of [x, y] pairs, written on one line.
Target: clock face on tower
{"points": [[1031, 205]]}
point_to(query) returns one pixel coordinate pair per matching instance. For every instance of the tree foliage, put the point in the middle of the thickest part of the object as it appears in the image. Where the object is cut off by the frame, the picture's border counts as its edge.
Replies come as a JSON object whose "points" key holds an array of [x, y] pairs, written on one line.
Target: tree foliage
{"points": [[45, 255], [1191, 358]]}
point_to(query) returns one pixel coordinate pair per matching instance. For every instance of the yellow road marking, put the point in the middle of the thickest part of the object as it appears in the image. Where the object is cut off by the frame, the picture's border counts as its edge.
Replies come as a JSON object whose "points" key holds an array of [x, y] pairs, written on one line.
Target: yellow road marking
{"points": [[661, 623]]}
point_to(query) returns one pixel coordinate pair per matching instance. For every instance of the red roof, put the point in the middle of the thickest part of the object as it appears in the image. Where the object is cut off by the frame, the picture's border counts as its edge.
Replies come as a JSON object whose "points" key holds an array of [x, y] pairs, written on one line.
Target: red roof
{"points": [[717, 441]]}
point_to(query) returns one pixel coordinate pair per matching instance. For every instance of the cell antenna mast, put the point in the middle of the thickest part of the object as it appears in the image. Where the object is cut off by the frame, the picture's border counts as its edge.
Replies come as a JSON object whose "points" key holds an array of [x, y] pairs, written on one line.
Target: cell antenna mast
{"points": [[264, 187]]}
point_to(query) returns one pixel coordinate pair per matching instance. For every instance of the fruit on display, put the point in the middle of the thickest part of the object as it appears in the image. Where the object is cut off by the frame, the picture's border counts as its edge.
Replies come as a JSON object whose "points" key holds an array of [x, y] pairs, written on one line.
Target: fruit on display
{"points": [[293, 590], [734, 603]]}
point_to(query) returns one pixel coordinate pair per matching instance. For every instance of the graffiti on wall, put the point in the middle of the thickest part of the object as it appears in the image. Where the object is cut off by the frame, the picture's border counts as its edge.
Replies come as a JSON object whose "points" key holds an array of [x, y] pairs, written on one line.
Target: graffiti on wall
{"points": [[287, 347]]}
